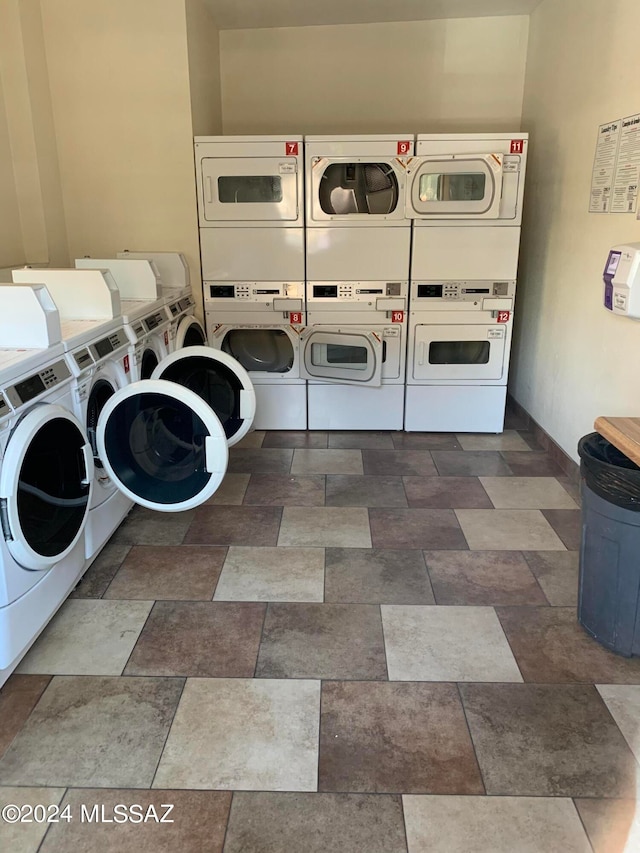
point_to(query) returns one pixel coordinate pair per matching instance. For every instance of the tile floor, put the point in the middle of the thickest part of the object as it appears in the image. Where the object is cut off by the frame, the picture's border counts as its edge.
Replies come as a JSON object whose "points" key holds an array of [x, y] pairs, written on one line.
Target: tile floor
{"points": [[363, 643]]}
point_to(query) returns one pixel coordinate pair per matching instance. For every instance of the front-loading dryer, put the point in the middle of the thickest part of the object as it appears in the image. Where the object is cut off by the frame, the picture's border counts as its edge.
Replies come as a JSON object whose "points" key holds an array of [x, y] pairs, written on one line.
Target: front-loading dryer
{"points": [[46, 475]]}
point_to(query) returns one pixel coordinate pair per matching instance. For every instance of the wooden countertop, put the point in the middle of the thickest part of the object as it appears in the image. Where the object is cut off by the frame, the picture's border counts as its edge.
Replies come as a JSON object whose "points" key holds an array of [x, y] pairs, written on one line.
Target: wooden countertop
{"points": [[623, 433]]}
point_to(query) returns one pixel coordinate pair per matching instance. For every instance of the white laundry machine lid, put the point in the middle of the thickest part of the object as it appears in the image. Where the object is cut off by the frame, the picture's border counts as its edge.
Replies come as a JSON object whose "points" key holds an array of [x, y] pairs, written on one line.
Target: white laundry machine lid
{"points": [[217, 378], [162, 445], [46, 483]]}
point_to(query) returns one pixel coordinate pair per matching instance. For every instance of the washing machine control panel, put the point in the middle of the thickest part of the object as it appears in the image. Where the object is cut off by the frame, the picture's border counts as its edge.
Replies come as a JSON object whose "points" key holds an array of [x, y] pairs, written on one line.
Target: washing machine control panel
{"points": [[33, 386], [109, 344], [367, 292]]}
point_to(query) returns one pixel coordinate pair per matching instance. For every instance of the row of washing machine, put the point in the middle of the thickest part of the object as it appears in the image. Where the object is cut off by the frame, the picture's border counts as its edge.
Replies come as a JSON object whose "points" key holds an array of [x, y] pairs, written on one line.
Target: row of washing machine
{"points": [[365, 282], [100, 408]]}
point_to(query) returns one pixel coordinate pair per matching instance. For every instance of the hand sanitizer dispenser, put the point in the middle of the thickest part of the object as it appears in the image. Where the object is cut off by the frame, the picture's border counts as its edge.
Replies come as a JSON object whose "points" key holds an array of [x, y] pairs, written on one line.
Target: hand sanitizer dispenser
{"points": [[622, 280]]}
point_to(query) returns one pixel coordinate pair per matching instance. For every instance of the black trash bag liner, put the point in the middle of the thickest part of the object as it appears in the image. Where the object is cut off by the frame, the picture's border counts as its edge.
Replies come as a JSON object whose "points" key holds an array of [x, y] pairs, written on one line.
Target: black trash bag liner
{"points": [[608, 472]]}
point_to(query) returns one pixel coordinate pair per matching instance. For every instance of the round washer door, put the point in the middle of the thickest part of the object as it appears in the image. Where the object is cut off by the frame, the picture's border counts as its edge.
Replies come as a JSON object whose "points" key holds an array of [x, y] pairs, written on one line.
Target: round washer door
{"points": [[219, 380], [162, 445], [46, 483], [190, 333]]}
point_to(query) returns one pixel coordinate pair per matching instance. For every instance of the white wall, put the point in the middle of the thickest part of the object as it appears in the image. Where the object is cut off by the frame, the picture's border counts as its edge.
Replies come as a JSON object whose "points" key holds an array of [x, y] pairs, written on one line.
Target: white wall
{"points": [[119, 77], [11, 247], [454, 75], [573, 360], [203, 44]]}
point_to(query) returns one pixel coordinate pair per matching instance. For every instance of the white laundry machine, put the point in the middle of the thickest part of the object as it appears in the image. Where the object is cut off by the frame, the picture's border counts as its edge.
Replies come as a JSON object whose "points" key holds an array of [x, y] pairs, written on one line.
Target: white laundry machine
{"points": [[143, 310], [46, 476], [458, 355], [259, 325], [465, 195], [185, 329], [97, 348], [250, 208], [353, 354], [355, 207]]}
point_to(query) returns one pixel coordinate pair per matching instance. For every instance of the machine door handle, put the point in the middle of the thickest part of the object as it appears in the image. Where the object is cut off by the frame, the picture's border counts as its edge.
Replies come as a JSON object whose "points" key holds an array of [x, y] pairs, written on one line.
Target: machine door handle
{"points": [[421, 353], [87, 461], [209, 189]]}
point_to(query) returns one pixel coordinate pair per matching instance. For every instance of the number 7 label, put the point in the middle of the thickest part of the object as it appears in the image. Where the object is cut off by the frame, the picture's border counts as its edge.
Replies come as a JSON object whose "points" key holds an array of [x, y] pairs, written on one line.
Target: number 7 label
{"points": [[291, 149]]}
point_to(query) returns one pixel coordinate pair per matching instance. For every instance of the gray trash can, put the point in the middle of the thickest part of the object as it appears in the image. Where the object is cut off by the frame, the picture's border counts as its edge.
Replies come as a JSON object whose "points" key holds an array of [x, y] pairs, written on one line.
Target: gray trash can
{"points": [[609, 593]]}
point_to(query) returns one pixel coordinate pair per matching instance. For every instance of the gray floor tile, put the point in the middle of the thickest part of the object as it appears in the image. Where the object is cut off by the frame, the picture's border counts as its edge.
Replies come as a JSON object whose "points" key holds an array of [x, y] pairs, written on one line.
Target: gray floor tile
{"points": [[231, 491], [416, 528], [285, 490], [425, 441], [376, 576], [326, 462], [296, 438], [567, 523], [146, 527], [18, 697], [234, 525], [260, 461], [470, 463], [544, 740], [623, 702], [94, 732], [531, 464], [446, 493], [101, 572], [361, 440], [349, 490], [507, 440], [322, 641], [26, 837], [315, 823], [557, 574], [395, 463]]}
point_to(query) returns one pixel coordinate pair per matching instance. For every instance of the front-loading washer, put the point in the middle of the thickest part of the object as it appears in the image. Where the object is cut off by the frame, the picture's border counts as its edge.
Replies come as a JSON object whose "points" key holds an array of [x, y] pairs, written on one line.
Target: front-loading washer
{"points": [[46, 475]]}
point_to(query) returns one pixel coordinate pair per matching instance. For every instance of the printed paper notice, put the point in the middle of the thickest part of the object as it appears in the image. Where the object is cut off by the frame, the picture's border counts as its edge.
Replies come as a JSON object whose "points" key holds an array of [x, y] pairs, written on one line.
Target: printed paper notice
{"points": [[604, 167], [627, 174]]}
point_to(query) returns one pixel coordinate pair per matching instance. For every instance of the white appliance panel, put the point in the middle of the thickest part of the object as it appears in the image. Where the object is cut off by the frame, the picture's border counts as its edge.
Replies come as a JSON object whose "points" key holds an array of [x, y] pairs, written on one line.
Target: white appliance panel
{"points": [[358, 254], [455, 408], [345, 407], [280, 406], [252, 254], [465, 253]]}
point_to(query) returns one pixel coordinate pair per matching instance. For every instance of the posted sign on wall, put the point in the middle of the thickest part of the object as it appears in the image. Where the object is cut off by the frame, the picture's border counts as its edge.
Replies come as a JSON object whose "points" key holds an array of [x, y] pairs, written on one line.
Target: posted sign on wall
{"points": [[616, 167]]}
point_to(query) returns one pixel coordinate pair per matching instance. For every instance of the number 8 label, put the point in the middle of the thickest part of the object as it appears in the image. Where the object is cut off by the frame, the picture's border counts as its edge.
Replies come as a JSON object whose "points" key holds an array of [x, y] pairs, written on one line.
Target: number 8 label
{"points": [[404, 146]]}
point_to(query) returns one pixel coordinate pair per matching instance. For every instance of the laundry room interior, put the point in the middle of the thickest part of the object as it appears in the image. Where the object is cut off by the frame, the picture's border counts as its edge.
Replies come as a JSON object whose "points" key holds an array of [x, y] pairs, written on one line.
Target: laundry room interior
{"points": [[319, 426]]}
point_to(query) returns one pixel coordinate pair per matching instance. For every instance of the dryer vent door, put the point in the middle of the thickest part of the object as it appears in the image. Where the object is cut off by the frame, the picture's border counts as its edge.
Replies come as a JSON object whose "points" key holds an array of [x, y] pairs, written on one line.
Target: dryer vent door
{"points": [[346, 356], [162, 445], [219, 380], [46, 481]]}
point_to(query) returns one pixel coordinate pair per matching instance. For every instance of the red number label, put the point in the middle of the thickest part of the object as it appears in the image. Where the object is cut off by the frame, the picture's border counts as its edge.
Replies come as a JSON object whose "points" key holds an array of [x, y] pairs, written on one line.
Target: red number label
{"points": [[404, 146], [291, 149], [126, 364], [397, 316], [517, 146], [295, 318], [166, 339], [504, 316]]}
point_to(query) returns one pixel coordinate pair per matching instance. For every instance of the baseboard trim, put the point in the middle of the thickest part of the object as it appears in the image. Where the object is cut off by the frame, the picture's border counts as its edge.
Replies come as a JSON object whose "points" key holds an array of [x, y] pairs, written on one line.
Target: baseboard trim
{"points": [[542, 437]]}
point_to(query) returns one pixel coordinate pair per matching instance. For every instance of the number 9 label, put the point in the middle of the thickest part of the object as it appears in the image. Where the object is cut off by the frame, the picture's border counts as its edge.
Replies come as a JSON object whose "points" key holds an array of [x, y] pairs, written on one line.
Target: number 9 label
{"points": [[404, 146]]}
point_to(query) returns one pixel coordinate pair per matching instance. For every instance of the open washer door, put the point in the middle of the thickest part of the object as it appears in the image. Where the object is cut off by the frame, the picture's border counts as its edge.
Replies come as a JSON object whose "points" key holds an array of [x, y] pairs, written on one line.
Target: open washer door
{"points": [[46, 483], [219, 380], [162, 445]]}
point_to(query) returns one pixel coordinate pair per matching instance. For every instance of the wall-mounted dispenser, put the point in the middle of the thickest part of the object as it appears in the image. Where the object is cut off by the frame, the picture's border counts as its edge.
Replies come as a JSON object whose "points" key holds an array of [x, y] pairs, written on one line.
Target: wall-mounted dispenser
{"points": [[622, 280]]}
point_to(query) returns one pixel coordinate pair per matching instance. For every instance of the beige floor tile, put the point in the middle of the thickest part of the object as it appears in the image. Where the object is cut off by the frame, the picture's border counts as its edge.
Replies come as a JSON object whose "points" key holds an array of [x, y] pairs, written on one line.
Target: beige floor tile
{"points": [[88, 637], [623, 702], [507, 440], [231, 491], [435, 643], [493, 825], [243, 734], [326, 462], [325, 527], [613, 826], [527, 493], [508, 530], [272, 574], [26, 837]]}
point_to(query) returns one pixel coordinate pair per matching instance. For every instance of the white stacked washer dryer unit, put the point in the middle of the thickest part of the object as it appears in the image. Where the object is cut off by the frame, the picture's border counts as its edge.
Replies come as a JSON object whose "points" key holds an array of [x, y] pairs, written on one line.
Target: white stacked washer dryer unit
{"points": [[97, 347], [185, 330], [46, 477], [143, 310], [358, 251], [251, 216], [464, 194]]}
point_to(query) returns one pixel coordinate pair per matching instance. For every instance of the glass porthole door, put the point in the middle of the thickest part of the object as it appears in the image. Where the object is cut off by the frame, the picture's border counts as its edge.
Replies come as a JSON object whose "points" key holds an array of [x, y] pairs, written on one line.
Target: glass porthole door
{"points": [[46, 483], [162, 445]]}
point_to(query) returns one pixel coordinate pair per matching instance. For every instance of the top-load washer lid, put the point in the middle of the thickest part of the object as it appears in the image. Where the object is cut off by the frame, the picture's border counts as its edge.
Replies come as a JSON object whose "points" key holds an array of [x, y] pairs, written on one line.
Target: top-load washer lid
{"points": [[162, 445], [219, 380], [46, 482]]}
